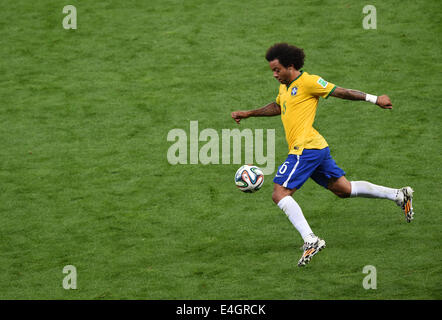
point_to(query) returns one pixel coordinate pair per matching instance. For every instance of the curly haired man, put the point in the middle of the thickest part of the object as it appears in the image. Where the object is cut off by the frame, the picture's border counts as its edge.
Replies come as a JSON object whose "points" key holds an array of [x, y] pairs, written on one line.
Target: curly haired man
{"points": [[309, 155]]}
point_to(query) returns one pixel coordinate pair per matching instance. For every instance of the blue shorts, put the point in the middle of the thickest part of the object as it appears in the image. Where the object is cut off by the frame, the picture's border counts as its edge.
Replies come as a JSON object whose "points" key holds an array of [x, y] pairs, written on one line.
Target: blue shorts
{"points": [[317, 164]]}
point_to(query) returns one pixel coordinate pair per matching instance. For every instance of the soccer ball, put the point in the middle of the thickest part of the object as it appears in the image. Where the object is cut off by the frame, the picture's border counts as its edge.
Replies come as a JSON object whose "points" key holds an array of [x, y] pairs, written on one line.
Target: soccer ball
{"points": [[249, 178]]}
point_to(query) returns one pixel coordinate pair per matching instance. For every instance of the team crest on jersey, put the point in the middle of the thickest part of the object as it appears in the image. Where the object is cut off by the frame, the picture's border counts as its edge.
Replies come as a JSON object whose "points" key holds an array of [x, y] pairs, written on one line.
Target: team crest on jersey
{"points": [[294, 91]]}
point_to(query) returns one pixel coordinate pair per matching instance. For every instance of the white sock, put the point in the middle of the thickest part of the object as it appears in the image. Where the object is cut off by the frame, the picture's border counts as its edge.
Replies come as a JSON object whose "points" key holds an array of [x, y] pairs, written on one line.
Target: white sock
{"points": [[294, 213], [366, 189]]}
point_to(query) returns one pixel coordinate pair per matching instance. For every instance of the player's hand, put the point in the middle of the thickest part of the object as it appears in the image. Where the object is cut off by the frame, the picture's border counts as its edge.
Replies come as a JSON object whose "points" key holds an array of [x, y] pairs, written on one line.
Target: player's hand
{"points": [[238, 115], [384, 102]]}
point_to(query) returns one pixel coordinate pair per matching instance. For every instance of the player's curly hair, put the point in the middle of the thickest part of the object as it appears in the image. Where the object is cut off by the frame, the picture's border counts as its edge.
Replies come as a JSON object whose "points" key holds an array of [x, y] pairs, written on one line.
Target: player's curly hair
{"points": [[287, 55]]}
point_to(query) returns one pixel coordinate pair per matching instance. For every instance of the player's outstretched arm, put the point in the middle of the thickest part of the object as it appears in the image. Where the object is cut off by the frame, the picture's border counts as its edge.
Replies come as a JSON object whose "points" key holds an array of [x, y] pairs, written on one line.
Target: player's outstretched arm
{"points": [[350, 94], [272, 109]]}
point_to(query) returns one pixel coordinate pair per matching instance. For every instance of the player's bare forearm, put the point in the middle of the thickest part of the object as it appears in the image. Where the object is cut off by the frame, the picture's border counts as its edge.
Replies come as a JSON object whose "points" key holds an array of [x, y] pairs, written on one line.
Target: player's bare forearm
{"points": [[272, 109], [350, 94]]}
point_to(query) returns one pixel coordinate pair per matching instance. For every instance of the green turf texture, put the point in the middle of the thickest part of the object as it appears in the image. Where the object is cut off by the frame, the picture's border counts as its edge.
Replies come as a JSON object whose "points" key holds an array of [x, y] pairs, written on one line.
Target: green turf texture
{"points": [[84, 176]]}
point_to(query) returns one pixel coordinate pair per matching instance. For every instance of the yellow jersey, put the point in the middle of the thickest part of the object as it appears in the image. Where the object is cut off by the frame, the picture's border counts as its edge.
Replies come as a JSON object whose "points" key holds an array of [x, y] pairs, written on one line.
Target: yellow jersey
{"points": [[298, 102]]}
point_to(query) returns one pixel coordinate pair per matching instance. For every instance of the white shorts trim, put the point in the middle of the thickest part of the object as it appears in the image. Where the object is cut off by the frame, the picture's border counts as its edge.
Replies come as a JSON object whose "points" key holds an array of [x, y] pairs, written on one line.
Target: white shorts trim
{"points": [[291, 173]]}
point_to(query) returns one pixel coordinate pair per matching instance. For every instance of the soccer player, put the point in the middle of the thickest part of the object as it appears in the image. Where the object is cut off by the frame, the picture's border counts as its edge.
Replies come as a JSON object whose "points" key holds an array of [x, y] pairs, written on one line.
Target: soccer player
{"points": [[309, 154]]}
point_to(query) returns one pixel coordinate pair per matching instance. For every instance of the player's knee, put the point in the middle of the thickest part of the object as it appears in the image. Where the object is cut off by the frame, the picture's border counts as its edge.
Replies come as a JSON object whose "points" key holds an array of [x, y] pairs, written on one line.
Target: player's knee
{"points": [[276, 197], [280, 193]]}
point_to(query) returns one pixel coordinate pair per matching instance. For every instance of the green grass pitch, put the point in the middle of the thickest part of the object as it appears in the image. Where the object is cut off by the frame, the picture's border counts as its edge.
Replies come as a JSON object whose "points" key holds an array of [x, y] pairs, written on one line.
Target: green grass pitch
{"points": [[84, 175]]}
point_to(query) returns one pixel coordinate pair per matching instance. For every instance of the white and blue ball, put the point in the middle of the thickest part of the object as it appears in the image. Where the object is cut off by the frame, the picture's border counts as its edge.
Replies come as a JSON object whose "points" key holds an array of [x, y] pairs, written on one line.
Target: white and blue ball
{"points": [[249, 178]]}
